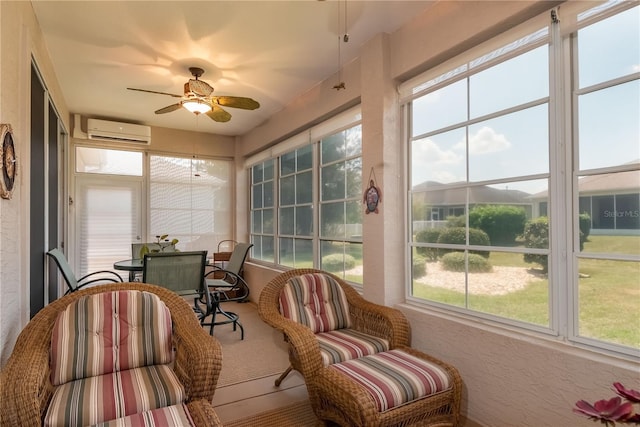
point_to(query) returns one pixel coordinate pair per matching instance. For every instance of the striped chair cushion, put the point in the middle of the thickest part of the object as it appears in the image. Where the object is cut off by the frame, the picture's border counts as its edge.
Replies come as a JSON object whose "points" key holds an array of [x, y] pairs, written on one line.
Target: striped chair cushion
{"points": [[346, 344], [394, 377], [317, 301], [109, 332], [171, 416], [115, 395]]}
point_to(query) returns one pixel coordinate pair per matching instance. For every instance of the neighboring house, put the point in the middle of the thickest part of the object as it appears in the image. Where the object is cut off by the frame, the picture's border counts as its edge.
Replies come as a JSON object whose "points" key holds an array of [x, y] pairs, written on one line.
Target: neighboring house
{"points": [[611, 200], [450, 201]]}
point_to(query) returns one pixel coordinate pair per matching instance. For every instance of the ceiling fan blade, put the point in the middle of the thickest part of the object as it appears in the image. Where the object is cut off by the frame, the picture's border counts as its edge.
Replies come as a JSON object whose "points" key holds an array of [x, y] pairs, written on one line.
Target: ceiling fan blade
{"points": [[218, 114], [169, 108], [153, 91], [236, 102]]}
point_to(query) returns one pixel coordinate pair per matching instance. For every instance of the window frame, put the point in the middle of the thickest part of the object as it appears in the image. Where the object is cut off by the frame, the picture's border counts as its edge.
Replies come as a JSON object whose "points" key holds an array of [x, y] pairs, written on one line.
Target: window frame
{"points": [[563, 193], [309, 139]]}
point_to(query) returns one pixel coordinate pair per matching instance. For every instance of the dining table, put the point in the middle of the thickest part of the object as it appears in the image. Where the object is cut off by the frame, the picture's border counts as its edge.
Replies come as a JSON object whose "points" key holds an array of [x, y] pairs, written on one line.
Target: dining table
{"points": [[133, 266]]}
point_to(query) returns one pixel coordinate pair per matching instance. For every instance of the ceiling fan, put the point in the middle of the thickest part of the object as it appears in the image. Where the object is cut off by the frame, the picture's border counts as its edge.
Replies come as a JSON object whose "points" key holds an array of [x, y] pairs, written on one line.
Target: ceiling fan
{"points": [[198, 98]]}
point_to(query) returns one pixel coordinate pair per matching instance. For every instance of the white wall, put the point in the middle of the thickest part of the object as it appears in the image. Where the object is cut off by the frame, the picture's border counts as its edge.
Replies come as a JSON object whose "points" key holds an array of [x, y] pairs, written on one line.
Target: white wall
{"points": [[20, 38], [510, 379]]}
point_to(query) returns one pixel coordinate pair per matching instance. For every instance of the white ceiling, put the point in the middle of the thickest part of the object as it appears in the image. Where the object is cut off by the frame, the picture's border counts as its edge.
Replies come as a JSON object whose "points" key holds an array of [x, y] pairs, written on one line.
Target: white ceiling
{"points": [[271, 51]]}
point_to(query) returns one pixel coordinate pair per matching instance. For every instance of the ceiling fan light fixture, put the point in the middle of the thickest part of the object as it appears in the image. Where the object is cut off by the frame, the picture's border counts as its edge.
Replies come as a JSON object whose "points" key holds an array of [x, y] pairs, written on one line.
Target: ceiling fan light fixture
{"points": [[196, 106]]}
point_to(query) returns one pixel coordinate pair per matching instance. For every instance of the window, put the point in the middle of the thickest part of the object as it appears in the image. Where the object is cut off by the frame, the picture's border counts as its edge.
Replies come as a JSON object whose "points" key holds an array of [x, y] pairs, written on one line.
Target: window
{"points": [[295, 211], [340, 203], [262, 192], [190, 199], [108, 205], [313, 186], [492, 187]]}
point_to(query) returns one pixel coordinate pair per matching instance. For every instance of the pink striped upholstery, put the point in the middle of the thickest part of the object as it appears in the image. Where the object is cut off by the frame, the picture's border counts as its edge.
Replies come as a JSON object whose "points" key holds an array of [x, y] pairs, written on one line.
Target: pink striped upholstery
{"points": [[115, 395], [317, 301], [108, 332], [394, 377], [346, 344], [171, 416]]}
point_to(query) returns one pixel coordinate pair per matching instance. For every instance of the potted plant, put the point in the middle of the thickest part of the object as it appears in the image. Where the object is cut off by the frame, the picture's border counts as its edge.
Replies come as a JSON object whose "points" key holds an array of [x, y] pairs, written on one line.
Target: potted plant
{"points": [[162, 244]]}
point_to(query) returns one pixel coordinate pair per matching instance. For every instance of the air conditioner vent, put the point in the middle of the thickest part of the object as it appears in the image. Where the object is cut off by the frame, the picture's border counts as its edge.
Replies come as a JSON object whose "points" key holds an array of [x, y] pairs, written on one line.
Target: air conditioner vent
{"points": [[105, 130]]}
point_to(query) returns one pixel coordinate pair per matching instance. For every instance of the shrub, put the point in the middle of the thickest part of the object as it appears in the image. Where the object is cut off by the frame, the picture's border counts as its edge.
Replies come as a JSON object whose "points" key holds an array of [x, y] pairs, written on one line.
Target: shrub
{"points": [[456, 221], [536, 235], [502, 223], [585, 227], [456, 236], [338, 262], [428, 235], [419, 267], [454, 261]]}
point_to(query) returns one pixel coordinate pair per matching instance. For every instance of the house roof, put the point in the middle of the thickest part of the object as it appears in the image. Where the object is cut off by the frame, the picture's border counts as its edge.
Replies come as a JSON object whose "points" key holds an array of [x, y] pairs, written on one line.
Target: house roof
{"points": [[481, 194]]}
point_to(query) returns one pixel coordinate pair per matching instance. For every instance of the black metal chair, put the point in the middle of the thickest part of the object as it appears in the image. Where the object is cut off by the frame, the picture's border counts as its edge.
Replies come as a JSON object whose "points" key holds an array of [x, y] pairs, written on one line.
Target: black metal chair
{"points": [[227, 284], [73, 283]]}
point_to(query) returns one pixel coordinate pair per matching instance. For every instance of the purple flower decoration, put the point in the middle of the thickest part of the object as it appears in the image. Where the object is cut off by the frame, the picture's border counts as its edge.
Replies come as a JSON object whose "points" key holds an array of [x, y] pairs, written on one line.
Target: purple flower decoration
{"points": [[630, 395], [607, 411]]}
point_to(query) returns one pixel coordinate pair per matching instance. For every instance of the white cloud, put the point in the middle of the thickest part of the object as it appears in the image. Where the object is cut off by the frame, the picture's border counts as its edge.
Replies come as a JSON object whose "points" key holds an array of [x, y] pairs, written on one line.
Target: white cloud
{"points": [[428, 152], [431, 162], [486, 140]]}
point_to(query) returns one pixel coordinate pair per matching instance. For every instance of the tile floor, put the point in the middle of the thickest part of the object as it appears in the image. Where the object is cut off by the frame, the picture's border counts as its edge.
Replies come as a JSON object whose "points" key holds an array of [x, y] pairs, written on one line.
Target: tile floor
{"points": [[252, 397]]}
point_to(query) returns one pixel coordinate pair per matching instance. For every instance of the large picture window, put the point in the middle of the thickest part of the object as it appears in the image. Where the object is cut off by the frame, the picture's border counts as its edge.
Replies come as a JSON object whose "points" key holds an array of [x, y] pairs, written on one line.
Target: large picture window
{"points": [[313, 187], [190, 199], [517, 156]]}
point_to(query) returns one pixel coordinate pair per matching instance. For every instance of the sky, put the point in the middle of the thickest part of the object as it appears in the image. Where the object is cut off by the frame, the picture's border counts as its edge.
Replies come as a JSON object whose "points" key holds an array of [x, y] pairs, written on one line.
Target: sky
{"points": [[516, 144]]}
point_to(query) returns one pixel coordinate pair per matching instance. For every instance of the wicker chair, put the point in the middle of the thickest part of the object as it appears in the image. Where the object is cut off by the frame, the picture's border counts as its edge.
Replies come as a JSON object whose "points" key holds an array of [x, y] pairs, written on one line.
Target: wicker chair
{"points": [[335, 397], [25, 382]]}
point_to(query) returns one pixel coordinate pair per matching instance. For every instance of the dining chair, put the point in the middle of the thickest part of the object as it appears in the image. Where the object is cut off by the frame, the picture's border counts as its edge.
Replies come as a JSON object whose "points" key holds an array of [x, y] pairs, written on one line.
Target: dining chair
{"points": [[222, 255], [73, 283], [181, 272], [227, 284]]}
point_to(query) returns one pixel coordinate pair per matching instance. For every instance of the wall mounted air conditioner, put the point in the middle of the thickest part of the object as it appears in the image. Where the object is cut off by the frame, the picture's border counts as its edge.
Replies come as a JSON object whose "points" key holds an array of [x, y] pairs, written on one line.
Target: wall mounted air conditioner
{"points": [[119, 132]]}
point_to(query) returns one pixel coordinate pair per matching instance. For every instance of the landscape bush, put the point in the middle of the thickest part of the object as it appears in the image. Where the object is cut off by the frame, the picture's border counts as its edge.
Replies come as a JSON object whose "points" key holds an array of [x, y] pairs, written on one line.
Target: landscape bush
{"points": [[585, 226], [428, 235], [457, 236], [419, 267], [338, 262], [503, 223], [536, 235], [454, 261], [456, 221]]}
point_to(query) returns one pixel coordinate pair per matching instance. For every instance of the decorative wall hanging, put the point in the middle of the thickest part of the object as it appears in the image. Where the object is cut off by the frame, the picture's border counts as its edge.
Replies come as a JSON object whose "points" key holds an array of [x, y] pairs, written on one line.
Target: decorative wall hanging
{"points": [[372, 195], [8, 161]]}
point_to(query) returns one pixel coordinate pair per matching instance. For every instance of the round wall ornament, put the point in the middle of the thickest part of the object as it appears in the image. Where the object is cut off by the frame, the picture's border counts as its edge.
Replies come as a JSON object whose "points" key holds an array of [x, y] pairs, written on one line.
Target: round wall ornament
{"points": [[8, 161]]}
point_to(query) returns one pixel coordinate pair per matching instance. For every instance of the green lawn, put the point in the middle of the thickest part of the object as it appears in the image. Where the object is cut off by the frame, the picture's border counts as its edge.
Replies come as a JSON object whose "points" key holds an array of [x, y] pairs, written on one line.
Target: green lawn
{"points": [[609, 293]]}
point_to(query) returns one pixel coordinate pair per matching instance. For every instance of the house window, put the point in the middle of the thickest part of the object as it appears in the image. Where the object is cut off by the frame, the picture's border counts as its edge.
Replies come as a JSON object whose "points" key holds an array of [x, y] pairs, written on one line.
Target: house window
{"points": [[313, 184], [487, 137]]}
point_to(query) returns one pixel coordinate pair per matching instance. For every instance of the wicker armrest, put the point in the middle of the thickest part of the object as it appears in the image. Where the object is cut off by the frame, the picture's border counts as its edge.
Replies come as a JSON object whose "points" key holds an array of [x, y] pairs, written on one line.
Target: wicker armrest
{"points": [[307, 358], [381, 321], [25, 385], [203, 414], [198, 355]]}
